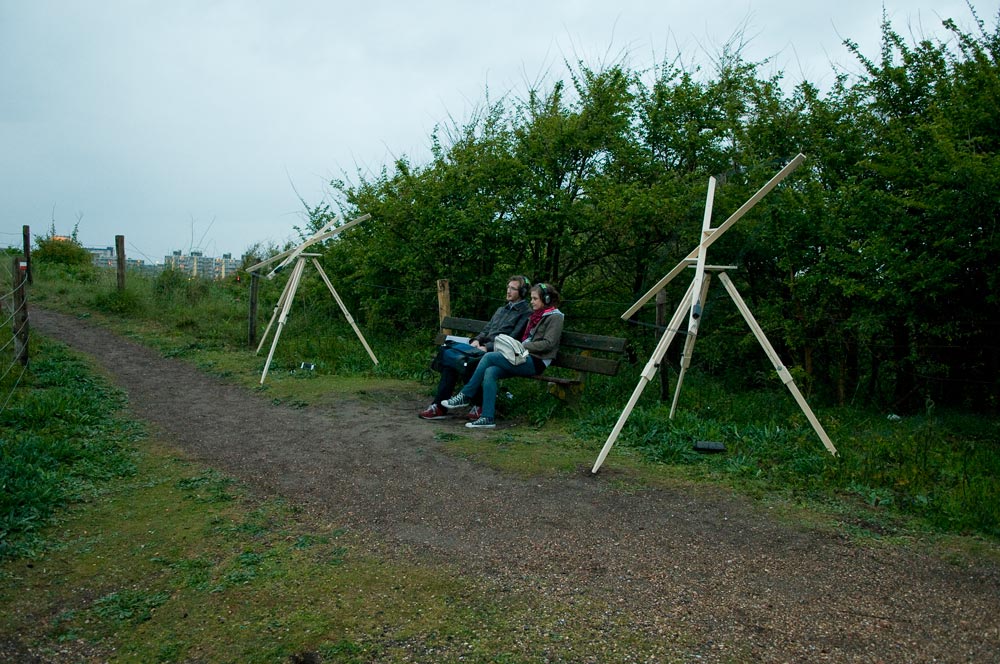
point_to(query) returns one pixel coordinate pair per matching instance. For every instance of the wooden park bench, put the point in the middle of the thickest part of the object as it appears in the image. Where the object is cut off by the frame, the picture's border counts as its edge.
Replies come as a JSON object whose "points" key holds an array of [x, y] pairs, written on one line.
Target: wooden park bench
{"points": [[575, 354]]}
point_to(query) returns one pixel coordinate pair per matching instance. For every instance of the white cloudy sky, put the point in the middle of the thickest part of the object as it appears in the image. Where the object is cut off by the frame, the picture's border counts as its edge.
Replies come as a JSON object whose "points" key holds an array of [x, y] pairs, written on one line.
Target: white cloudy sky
{"points": [[191, 124]]}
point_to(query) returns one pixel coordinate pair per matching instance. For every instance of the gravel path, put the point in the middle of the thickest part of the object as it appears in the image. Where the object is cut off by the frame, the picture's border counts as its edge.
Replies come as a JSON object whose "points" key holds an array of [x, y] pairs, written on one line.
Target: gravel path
{"points": [[711, 576]]}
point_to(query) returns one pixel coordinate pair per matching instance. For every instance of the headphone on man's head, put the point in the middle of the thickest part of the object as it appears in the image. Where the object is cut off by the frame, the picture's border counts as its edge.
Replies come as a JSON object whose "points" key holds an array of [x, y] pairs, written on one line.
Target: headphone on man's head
{"points": [[546, 298], [525, 286]]}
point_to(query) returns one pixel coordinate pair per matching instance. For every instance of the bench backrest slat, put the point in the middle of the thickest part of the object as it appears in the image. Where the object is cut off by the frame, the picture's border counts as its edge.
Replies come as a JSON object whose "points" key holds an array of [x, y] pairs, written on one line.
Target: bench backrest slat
{"points": [[592, 342], [598, 365], [463, 324]]}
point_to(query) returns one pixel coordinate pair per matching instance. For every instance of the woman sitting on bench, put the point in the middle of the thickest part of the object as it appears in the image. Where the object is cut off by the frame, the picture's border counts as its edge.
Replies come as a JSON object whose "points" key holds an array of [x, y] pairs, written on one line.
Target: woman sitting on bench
{"points": [[541, 340]]}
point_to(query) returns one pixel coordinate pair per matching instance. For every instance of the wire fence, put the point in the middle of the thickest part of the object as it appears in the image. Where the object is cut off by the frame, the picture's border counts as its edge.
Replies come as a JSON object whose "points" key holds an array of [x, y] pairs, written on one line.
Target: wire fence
{"points": [[14, 326]]}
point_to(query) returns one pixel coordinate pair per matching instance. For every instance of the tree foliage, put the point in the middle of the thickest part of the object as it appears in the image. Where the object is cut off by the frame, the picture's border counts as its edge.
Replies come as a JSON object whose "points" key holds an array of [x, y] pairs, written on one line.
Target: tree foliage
{"points": [[872, 267]]}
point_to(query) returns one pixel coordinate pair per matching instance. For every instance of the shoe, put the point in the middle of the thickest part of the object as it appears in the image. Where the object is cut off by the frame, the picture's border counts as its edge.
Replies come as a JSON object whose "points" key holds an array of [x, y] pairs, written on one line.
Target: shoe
{"points": [[475, 413], [457, 401], [482, 423], [433, 412]]}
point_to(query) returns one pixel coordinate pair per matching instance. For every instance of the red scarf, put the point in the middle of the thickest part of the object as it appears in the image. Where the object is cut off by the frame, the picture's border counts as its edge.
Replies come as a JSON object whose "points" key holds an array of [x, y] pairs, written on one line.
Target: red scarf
{"points": [[533, 321]]}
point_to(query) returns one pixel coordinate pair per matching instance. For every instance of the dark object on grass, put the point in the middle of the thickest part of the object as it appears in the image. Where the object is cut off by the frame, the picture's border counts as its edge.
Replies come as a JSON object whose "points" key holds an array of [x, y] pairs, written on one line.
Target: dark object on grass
{"points": [[709, 447]]}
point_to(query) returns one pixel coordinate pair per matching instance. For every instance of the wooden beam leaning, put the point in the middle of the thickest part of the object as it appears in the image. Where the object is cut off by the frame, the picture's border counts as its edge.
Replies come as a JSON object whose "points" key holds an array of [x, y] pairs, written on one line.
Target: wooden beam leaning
{"points": [[343, 308], [716, 233], [783, 373], [323, 234], [293, 284], [648, 373], [691, 304]]}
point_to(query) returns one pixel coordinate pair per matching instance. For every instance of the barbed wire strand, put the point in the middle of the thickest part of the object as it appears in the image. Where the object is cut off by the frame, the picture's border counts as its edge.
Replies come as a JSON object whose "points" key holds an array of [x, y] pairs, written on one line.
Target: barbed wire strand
{"points": [[10, 395]]}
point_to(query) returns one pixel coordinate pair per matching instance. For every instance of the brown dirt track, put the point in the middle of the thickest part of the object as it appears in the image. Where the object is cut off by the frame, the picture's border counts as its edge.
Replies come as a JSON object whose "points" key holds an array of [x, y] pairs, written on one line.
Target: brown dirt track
{"points": [[713, 577]]}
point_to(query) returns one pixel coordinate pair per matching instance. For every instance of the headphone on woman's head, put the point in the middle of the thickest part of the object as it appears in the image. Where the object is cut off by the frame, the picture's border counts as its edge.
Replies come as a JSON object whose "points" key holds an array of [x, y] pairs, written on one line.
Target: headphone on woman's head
{"points": [[544, 291]]}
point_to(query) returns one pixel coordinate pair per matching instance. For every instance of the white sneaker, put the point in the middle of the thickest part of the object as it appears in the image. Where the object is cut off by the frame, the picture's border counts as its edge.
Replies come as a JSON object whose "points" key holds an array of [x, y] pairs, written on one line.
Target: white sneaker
{"points": [[457, 401]]}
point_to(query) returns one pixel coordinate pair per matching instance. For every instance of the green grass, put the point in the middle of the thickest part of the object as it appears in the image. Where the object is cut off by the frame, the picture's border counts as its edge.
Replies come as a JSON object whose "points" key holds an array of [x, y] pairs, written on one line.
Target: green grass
{"points": [[59, 435]]}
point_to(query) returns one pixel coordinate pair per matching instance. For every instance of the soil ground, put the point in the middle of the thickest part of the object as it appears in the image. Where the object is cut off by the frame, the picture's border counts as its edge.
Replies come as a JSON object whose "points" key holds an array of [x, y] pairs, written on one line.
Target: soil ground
{"points": [[715, 574]]}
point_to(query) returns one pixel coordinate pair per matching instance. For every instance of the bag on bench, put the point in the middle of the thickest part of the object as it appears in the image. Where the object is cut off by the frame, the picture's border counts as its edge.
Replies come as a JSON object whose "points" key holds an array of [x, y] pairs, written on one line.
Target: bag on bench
{"points": [[463, 358], [511, 349]]}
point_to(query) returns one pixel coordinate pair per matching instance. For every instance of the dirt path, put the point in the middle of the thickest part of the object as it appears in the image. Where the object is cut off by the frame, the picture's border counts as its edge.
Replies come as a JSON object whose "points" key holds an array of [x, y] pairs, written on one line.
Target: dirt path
{"points": [[745, 586]]}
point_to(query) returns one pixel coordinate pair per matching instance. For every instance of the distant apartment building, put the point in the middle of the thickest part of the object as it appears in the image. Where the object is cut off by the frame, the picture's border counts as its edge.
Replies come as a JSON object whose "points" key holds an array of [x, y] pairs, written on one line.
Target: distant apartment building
{"points": [[197, 264], [106, 258]]}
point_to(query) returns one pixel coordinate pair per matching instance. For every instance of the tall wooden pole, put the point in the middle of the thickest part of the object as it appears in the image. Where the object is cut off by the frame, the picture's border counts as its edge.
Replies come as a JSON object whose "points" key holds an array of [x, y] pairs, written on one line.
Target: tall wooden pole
{"points": [[20, 319], [252, 324], [26, 231], [120, 252], [444, 301], [661, 324]]}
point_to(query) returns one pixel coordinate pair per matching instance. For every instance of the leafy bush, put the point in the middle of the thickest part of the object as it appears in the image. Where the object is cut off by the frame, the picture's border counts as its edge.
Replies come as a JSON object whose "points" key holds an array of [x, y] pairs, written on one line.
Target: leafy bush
{"points": [[61, 250]]}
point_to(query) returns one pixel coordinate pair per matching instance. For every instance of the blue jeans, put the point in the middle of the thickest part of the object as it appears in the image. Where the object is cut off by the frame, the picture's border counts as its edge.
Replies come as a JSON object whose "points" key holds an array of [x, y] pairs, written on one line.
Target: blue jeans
{"points": [[491, 369]]}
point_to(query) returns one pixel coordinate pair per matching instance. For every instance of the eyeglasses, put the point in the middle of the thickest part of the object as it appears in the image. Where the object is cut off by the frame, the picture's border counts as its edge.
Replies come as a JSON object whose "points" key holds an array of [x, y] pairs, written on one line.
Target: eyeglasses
{"points": [[513, 288]]}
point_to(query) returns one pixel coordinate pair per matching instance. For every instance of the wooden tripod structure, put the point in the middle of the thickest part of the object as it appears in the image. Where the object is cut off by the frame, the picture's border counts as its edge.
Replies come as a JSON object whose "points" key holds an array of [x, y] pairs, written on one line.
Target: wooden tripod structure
{"points": [[284, 304], [691, 305]]}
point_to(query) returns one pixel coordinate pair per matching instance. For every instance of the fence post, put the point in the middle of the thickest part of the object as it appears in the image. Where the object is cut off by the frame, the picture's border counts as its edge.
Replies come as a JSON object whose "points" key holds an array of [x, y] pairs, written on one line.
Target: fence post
{"points": [[252, 326], [661, 322], [444, 301], [20, 319], [120, 251], [26, 230]]}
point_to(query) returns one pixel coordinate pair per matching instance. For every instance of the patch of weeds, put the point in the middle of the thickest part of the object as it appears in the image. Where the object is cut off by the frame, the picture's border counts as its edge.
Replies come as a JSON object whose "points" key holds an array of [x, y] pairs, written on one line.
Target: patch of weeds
{"points": [[506, 438], [446, 436], [62, 625], [183, 350], [307, 541], [210, 486], [250, 528], [344, 650], [170, 652], [246, 569], [129, 606], [337, 555], [197, 571]]}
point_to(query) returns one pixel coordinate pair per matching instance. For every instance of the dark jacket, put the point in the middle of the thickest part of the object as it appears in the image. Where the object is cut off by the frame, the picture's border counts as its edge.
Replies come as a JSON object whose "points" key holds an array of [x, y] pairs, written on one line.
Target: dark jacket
{"points": [[510, 319]]}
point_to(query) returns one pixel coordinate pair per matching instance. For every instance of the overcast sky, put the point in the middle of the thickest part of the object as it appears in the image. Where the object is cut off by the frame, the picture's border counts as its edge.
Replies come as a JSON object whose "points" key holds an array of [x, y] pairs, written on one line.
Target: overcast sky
{"points": [[191, 124]]}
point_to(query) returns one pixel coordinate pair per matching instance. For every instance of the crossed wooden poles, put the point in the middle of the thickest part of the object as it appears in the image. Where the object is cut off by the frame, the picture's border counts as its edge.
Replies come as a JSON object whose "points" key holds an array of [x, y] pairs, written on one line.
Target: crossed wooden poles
{"points": [[691, 305], [288, 294]]}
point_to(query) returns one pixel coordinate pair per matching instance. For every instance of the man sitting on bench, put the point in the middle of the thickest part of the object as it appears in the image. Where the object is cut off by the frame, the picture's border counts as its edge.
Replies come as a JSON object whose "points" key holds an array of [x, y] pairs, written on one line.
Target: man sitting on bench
{"points": [[510, 319], [540, 341]]}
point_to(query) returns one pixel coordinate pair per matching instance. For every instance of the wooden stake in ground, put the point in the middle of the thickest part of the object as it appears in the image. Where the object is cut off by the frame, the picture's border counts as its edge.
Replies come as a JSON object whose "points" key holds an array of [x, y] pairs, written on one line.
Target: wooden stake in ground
{"points": [[690, 305]]}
